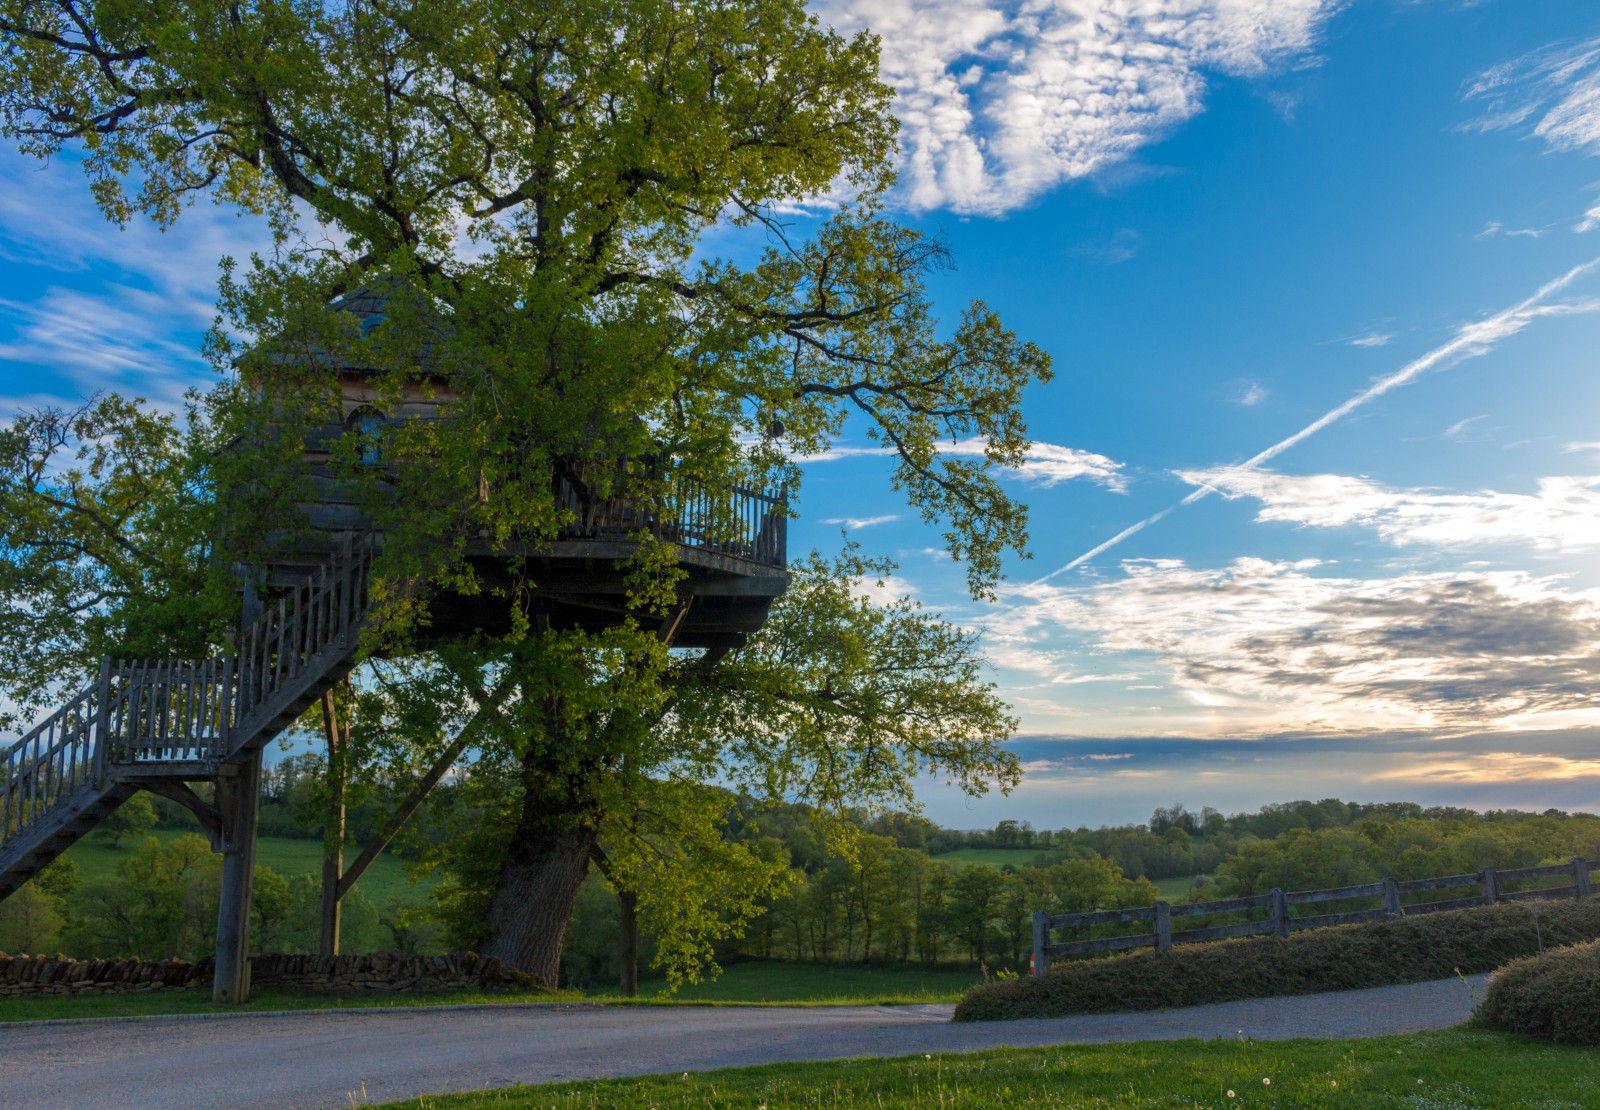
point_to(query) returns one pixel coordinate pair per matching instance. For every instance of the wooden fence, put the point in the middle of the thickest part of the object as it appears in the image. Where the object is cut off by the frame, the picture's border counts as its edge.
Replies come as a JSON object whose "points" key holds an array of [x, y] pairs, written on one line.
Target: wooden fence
{"points": [[1278, 921]]}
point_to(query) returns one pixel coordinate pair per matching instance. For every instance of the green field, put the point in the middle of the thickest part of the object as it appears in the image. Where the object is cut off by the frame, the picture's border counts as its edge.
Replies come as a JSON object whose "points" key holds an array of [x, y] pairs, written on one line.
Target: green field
{"points": [[1175, 888], [995, 857], [385, 881], [1456, 1068]]}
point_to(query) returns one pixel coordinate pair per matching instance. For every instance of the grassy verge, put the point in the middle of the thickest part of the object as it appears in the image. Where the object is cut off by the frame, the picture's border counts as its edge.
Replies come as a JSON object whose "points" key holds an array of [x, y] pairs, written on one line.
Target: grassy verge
{"points": [[1457, 1068], [169, 1003], [1347, 957], [753, 983]]}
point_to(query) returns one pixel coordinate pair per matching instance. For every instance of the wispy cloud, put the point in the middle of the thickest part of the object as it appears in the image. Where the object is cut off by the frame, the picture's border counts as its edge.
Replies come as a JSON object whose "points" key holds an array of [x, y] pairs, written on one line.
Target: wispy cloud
{"points": [[1590, 221], [113, 309], [1000, 102], [1371, 339], [1562, 516], [862, 521], [1494, 229], [1470, 341], [1556, 89], [1253, 395]]}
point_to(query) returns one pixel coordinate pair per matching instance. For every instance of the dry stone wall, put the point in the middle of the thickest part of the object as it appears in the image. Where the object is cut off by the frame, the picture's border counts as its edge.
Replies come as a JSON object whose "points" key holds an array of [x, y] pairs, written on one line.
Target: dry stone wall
{"points": [[377, 972]]}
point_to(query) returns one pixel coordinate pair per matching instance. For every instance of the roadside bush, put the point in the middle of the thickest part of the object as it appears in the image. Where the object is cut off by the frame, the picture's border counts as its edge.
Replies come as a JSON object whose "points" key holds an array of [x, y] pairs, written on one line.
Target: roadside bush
{"points": [[1555, 996], [1346, 957]]}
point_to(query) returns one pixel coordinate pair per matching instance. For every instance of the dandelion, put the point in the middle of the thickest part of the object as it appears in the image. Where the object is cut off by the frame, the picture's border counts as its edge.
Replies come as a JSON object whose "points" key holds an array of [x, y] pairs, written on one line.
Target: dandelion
{"points": [[1419, 1082], [1336, 1084], [1266, 1082], [1230, 1094]]}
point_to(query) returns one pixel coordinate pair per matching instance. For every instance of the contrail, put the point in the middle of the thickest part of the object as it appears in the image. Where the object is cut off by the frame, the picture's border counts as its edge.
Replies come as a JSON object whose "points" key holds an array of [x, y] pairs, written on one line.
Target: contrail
{"points": [[1471, 341]]}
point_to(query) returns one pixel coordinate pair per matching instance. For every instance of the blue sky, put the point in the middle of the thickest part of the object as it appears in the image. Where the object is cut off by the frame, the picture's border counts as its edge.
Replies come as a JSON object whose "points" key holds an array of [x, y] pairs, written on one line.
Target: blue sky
{"points": [[1226, 220]]}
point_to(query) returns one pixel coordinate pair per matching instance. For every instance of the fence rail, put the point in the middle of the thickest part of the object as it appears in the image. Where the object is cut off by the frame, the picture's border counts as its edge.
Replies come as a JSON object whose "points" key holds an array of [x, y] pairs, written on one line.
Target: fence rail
{"points": [[1489, 882]]}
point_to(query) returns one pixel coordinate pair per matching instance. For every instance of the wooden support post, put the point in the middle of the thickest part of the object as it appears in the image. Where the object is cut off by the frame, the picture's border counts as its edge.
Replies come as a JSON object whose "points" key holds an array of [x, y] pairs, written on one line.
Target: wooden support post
{"points": [[1489, 886], [1391, 899], [1041, 943], [1163, 927], [1280, 913], [1580, 876], [239, 802], [332, 831]]}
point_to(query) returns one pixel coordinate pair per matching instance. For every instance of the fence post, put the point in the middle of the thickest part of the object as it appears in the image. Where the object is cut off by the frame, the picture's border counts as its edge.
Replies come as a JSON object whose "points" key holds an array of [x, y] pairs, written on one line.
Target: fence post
{"points": [[1391, 899], [1041, 940], [1488, 884], [1280, 913], [1580, 876], [1163, 927]]}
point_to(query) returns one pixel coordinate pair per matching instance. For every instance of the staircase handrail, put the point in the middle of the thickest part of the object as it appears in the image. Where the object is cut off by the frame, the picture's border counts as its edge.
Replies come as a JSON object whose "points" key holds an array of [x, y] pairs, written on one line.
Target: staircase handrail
{"points": [[197, 710]]}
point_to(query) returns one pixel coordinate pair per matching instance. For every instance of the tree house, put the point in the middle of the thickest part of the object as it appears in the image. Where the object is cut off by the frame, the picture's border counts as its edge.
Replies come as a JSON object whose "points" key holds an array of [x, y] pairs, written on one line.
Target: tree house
{"points": [[732, 544]]}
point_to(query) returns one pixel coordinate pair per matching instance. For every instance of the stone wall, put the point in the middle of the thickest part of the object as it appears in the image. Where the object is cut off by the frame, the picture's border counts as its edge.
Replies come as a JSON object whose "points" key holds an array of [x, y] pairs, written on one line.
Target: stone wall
{"points": [[378, 972]]}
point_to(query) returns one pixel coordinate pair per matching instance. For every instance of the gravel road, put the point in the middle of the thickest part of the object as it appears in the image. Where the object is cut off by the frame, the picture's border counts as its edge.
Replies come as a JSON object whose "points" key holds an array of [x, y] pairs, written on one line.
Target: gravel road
{"points": [[324, 1059]]}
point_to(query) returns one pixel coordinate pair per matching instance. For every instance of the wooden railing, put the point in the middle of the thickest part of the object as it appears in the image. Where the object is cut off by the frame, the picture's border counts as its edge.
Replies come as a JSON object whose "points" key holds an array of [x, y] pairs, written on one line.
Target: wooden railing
{"points": [[55, 759], [1489, 883], [188, 711], [742, 522]]}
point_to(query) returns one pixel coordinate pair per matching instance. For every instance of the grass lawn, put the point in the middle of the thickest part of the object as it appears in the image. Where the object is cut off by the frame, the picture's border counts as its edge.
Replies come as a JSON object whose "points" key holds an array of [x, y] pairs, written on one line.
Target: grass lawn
{"points": [[1456, 1068], [995, 857], [781, 982], [384, 881]]}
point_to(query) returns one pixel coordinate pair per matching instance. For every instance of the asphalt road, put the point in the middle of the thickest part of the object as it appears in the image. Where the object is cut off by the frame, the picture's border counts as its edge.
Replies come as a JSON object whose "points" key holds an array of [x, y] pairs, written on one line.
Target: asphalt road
{"points": [[324, 1059]]}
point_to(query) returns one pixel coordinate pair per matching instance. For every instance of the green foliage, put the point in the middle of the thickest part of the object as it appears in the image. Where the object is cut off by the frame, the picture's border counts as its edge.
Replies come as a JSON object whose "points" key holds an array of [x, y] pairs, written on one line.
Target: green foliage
{"points": [[163, 902], [1555, 995], [30, 921], [106, 532], [134, 818], [1347, 957]]}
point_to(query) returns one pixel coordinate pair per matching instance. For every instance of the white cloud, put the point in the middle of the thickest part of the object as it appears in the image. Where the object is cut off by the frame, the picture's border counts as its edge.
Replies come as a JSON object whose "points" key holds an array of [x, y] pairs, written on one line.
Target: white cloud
{"points": [[1260, 647], [1000, 101], [861, 521], [887, 590], [1254, 395], [1563, 515], [1371, 339], [1590, 221], [1046, 464]]}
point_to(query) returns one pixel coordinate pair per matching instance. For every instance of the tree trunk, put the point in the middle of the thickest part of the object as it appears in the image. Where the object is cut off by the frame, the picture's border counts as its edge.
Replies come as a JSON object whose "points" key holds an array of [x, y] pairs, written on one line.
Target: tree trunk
{"points": [[629, 984], [545, 864]]}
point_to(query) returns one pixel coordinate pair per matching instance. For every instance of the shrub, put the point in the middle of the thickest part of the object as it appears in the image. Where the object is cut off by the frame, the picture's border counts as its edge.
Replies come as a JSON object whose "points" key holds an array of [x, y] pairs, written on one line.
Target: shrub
{"points": [[1345, 957], [1555, 995]]}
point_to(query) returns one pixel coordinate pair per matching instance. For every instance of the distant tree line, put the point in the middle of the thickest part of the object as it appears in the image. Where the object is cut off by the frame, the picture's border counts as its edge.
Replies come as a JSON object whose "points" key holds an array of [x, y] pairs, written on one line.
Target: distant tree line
{"points": [[882, 888]]}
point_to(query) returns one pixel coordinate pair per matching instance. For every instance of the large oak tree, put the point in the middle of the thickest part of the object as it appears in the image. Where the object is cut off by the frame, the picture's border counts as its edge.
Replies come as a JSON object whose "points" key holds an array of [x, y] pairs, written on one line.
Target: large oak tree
{"points": [[540, 189]]}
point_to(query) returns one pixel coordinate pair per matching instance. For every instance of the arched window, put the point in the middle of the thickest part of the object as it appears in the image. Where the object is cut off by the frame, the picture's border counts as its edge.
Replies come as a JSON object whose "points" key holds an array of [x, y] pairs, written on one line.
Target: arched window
{"points": [[371, 429]]}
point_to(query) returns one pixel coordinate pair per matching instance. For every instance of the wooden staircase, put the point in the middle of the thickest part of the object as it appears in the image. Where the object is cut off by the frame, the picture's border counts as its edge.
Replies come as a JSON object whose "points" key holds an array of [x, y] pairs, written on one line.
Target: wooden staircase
{"points": [[161, 724]]}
